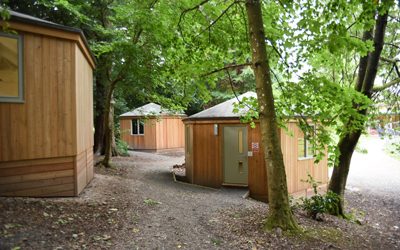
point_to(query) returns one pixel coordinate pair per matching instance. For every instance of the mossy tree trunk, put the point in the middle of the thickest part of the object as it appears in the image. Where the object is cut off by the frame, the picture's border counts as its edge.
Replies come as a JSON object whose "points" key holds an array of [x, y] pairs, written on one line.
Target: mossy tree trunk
{"points": [[280, 214]]}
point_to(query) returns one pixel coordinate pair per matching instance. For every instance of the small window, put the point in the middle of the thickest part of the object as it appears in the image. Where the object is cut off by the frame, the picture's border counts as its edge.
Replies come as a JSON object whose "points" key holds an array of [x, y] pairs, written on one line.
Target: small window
{"points": [[11, 73], [305, 147], [137, 127]]}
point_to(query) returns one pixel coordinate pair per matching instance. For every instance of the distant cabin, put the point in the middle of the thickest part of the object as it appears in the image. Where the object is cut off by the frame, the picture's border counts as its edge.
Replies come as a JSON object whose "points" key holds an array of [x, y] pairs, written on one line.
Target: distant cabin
{"points": [[153, 128], [46, 109], [222, 151]]}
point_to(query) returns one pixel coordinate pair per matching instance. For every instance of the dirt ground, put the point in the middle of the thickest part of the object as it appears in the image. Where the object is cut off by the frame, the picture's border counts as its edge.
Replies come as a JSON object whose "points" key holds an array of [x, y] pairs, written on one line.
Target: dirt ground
{"points": [[137, 205]]}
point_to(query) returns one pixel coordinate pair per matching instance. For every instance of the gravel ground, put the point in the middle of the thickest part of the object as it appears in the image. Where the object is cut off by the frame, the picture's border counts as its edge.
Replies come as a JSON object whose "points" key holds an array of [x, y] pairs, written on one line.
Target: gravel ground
{"points": [[136, 205], [375, 172]]}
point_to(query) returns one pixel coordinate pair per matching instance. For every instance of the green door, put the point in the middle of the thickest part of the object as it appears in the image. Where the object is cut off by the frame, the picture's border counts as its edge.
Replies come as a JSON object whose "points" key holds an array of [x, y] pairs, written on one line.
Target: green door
{"points": [[235, 155]]}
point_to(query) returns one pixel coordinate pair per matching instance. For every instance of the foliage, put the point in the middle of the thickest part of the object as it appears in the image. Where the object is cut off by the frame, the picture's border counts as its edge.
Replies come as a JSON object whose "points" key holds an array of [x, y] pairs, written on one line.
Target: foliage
{"points": [[319, 204], [122, 147]]}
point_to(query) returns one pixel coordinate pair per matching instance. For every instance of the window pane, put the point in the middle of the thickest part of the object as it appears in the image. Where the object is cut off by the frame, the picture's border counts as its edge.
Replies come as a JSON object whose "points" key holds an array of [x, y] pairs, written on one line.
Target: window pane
{"points": [[141, 127], [310, 149], [300, 147], [134, 127], [9, 86]]}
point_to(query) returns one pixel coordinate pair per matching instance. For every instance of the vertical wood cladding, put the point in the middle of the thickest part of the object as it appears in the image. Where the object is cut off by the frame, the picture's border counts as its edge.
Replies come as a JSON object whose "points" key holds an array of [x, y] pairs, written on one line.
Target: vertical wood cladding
{"points": [[204, 161]]}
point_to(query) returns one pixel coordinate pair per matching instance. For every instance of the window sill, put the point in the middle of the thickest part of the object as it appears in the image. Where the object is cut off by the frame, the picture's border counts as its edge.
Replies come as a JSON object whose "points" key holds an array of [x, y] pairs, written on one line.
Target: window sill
{"points": [[305, 158], [137, 134]]}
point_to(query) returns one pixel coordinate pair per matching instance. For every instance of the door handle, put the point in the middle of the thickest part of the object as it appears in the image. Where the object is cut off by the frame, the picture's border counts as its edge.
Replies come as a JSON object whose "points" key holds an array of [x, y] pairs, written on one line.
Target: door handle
{"points": [[240, 165]]}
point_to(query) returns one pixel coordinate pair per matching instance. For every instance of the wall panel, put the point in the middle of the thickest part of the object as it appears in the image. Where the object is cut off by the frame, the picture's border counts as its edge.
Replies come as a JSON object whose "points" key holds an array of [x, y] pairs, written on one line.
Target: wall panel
{"points": [[207, 168], [41, 177], [84, 102], [170, 133], [257, 172], [144, 142], [297, 169], [41, 127]]}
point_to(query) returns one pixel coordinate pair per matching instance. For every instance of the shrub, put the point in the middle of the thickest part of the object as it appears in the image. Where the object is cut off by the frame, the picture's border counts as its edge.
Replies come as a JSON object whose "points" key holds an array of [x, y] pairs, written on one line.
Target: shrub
{"points": [[122, 147], [319, 204]]}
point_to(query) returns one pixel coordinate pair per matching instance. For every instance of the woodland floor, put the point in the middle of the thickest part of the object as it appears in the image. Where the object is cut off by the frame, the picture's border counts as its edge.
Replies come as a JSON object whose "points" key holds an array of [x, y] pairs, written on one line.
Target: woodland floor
{"points": [[137, 205]]}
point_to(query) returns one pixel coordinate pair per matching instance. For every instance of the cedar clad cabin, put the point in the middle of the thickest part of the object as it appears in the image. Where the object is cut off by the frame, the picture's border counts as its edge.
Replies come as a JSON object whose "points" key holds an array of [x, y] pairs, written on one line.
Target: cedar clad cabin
{"points": [[153, 128], [220, 150], [46, 109]]}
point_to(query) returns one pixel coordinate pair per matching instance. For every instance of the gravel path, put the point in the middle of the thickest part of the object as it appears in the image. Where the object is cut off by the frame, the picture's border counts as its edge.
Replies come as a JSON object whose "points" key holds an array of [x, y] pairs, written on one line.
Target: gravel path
{"points": [[185, 211], [137, 205], [375, 172]]}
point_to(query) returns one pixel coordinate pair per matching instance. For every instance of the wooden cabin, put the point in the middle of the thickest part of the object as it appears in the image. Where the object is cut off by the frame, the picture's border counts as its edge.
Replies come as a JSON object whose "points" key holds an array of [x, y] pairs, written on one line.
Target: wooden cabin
{"points": [[222, 151], [153, 128], [46, 109]]}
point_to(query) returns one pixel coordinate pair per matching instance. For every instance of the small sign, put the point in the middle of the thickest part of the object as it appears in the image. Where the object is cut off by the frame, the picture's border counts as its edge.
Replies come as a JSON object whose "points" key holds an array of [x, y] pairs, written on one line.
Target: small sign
{"points": [[250, 153], [255, 147]]}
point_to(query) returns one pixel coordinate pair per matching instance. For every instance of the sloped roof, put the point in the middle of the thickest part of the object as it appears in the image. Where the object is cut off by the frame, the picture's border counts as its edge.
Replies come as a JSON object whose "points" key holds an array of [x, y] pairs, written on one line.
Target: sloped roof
{"points": [[224, 109], [151, 109]]}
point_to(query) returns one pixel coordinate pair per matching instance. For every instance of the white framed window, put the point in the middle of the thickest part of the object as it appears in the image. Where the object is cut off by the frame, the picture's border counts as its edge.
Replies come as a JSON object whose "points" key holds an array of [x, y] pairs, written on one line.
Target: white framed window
{"points": [[137, 127], [304, 146], [11, 68]]}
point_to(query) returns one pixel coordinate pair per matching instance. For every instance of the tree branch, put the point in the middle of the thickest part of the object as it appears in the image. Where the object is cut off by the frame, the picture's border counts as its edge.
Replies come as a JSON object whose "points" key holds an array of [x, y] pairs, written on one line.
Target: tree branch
{"points": [[386, 85], [234, 92], [216, 20], [234, 66], [184, 12], [385, 59], [393, 45]]}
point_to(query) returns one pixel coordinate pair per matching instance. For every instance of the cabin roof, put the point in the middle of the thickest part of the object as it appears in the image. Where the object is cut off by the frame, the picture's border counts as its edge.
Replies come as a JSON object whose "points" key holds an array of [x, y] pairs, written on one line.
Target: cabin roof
{"points": [[151, 109], [24, 18], [223, 110]]}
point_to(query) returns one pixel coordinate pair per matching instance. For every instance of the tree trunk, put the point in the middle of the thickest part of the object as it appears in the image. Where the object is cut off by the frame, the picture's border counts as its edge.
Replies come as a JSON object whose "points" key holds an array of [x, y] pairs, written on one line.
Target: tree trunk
{"points": [[102, 98], [280, 214], [99, 97], [365, 83], [338, 181], [109, 138]]}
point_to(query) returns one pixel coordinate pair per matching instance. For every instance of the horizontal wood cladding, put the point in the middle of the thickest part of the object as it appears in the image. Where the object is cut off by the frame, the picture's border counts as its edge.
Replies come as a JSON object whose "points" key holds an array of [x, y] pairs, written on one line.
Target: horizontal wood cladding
{"points": [[170, 133], [40, 178], [44, 125]]}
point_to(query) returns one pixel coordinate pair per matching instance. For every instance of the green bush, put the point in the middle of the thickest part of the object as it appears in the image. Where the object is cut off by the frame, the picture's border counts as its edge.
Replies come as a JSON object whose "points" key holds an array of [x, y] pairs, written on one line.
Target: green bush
{"points": [[319, 204], [122, 147]]}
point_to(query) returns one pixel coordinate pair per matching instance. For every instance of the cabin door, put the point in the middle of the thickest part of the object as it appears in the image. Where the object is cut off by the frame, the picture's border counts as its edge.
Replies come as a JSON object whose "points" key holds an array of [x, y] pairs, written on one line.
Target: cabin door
{"points": [[235, 155]]}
